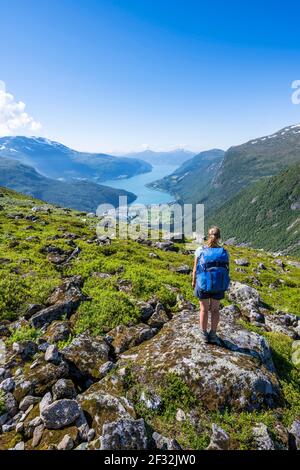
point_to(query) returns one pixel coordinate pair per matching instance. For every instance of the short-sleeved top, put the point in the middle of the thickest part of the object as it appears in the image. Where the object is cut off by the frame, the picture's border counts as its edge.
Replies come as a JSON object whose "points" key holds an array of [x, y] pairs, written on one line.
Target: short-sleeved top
{"points": [[198, 251]]}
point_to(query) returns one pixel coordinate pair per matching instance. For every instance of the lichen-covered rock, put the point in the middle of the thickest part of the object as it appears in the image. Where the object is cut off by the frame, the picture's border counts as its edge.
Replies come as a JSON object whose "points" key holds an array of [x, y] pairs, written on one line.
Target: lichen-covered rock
{"points": [[239, 292], [294, 435], [124, 434], [52, 354], [165, 443], [86, 354], [262, 437], [25, 349], [60, 413], [51, 438], [39, 380], [159, 317], [66, 443], [239, 374], [125, 337], [64, 301], [219, 439], [58, 331], [63, 388], [280, 324], [27, 401], [241, 262], [102, 407]]}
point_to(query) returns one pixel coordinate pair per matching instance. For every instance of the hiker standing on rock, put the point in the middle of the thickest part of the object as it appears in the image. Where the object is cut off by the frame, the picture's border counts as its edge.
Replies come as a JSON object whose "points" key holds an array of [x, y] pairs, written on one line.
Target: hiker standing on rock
{"points": [[210, 281]]}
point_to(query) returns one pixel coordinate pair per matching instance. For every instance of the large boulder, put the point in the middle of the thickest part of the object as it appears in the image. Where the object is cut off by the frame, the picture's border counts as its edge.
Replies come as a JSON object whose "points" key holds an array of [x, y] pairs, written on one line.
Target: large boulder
{"points": [[60, 413], [86, 354], [125, 337], [124, 434], [39, 379], [239, 293], [239, 374], [102, 407], [63, 302]]}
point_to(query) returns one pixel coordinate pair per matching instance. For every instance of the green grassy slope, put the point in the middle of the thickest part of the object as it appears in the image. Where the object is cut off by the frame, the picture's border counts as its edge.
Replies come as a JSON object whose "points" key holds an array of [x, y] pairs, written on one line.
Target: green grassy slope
{"points": [[27, 276], [193, 178], [266, 214]]}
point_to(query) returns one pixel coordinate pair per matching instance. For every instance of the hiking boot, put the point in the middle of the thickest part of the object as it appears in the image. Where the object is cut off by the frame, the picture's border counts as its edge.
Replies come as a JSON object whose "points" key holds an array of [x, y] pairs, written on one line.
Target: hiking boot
{"points": [[213, 337], [204, 336]]}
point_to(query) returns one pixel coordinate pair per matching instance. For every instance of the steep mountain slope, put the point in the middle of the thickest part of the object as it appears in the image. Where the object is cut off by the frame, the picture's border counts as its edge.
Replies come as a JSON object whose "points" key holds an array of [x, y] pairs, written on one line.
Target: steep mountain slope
{"points": [[193, 178], [80, 195], [265, 214], [55, 160], [173, 157], [106, 330], [247, 163]]}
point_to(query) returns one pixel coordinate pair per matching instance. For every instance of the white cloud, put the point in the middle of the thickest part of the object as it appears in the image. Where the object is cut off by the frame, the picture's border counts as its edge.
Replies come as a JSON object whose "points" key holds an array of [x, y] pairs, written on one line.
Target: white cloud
{"points": [[13, 117]]}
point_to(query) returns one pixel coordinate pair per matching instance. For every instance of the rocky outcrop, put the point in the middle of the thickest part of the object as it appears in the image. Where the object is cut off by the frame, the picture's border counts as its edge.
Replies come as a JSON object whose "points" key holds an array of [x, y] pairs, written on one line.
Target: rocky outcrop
{"points": [[63, 302], [85, 356], [239, 374]]}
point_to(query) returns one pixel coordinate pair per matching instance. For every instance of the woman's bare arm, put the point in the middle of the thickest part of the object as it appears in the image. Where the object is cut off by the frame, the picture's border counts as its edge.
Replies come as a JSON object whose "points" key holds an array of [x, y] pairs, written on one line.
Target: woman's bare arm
{"points": [[194, 273]]}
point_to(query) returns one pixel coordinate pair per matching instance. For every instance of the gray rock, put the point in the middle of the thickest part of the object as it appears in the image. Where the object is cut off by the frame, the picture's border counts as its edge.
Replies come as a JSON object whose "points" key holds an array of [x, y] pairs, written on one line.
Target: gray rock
{"points": [[27, 401], [82, 446], [63, 388], [10, 403], [124, 434], [240, 374], [66, 443], [60, 413], [106, 368], [26, 349], [19, 446], [219, 439], [294, 435], [52, 354], [165, 443], [146, 310], [126, 337], [180, 415], [239, 292], [7, 385], [166, 246], [150, 400], [37, 435], [8, 427], [241, 262], [45, 401], [87, 354], [262, 437]]}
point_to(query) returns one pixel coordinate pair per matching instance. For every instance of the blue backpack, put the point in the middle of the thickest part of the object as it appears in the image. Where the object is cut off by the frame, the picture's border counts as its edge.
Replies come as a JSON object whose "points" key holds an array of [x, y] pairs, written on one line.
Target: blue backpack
{"points": [[213, 270]]}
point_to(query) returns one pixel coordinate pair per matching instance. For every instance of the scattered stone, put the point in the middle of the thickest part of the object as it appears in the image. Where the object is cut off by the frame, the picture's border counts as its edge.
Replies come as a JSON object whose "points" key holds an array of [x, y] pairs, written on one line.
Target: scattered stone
{"points": [[66, 443], [262, 266], [166, 246], [294, 435], [150, 400], [180, 415], [60, 413], [52, 354], [58, 331], [262, 437], [45, 401], [164, 443], [124, 434], [125, 337], [27, 401], [239, 292], [26, 349], [19, 446], [63, 388], [219, 439], [159, 317], [105, 369], [86, 354], [7, 385], [146, 310], [8, 427], [241, 262], [153, 255], [184, 269], [37, 435]]}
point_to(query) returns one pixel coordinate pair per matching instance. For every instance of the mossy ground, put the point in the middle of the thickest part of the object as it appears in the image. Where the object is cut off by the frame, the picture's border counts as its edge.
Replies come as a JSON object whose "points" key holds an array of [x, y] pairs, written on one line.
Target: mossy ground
{"points": [[28, 277]]}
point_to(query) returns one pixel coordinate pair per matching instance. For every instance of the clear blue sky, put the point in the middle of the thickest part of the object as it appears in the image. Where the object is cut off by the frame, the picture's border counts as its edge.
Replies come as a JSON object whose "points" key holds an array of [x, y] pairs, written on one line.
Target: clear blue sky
{"points": [[116, 75]]}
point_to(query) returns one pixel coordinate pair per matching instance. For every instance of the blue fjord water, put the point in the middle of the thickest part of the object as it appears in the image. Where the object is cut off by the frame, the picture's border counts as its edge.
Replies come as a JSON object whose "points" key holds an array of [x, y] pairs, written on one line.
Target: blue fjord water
{"points": [[137, 185]]}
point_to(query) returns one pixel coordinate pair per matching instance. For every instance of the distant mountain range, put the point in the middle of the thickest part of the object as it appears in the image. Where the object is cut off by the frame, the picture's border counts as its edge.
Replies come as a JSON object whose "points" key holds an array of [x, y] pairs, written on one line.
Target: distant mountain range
{"points": [[266, 214], [193, 178], [173, 157], [55, 160], [81, 195]]}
